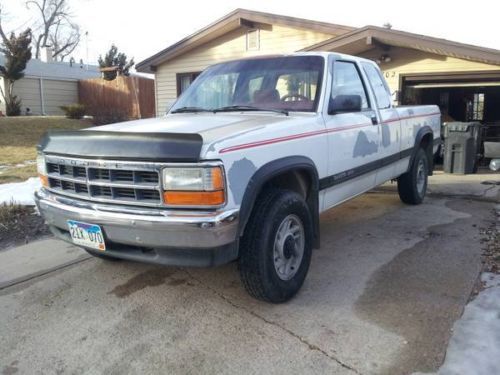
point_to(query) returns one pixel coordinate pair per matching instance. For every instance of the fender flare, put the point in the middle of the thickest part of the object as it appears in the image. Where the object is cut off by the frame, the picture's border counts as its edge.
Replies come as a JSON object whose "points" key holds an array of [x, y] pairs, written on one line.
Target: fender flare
{"points": [[422, 132], [272, 169]]}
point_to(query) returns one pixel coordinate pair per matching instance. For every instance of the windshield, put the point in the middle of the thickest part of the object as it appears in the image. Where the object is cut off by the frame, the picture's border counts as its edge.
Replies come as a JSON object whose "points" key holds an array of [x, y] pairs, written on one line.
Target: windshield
{"points": [[291, 83]]}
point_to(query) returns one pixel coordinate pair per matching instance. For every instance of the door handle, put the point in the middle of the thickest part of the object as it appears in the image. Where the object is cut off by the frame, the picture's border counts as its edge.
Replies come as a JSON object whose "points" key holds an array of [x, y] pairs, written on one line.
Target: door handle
{"points": [[374, 120]]}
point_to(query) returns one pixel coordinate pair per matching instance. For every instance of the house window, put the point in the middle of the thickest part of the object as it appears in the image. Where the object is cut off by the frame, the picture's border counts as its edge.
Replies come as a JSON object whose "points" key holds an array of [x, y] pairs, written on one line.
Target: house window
{"points": [[476, 108], [184, 80], [253, 40]]}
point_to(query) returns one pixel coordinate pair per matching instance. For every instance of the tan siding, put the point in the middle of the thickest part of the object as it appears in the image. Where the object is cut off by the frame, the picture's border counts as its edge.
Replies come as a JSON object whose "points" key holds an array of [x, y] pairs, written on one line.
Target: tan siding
{"points": [[408, 61], [229, 47]]}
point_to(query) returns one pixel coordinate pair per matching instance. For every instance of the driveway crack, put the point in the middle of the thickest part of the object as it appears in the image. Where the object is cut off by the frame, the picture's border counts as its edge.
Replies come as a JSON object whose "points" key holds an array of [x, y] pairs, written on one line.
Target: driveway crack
{"points": [[304, 341]]}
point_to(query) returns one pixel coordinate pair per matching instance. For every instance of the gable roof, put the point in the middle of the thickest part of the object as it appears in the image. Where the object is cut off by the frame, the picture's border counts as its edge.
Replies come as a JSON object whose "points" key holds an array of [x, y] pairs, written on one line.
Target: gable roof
{"points": [[366, 38], [232, 21], [57, 70]]}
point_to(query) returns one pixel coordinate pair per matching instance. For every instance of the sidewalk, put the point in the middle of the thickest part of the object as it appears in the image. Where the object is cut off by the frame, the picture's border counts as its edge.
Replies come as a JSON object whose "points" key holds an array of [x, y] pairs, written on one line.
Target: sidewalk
{"points": [[35, 259]]}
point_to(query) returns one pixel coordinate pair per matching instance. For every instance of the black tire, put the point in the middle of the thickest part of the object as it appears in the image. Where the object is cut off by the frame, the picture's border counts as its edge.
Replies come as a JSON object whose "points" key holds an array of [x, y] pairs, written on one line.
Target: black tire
{"points": [[102, 256], [411, 187], [256, 263]]}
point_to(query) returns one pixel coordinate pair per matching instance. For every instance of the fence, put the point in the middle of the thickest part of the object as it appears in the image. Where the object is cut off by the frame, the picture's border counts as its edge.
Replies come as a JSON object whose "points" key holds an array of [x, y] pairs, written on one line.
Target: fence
{"points": [[133, 96]]}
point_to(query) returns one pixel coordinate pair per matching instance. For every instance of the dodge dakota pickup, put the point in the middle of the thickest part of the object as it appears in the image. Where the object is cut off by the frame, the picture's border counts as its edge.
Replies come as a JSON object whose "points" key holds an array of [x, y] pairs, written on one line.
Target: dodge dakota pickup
{"points": [[240, 168]]}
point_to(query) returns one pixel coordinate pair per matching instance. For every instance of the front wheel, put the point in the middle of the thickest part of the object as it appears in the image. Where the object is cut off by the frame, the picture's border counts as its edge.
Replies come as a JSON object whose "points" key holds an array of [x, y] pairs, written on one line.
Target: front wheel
{"points": [[276, 249], [412, 185]]}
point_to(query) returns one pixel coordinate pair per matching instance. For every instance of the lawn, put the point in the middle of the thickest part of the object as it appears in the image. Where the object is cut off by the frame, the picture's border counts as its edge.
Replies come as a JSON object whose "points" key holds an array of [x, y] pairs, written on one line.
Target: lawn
{"points": [[18, 139]]}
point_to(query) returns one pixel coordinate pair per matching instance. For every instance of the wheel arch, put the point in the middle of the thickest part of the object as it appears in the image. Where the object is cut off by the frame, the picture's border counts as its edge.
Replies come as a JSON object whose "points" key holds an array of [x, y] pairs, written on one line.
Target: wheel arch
{"points": [[297, 173], [424, 139]]}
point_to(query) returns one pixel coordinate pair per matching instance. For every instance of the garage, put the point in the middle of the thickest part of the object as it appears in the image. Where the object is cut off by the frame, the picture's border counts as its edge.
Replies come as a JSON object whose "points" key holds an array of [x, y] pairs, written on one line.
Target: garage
{"points": [[463, 80], [464, 97]]}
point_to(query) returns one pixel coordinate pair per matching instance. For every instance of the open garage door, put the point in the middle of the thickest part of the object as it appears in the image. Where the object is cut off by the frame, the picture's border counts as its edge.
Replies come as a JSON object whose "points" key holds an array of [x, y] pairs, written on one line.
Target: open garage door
{"points": [[460, 96]]}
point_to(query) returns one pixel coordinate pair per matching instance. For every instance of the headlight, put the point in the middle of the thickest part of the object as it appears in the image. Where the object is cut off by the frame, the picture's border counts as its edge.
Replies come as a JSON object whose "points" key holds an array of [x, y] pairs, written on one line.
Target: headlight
{"points": [[196, 186], [41, 168]]}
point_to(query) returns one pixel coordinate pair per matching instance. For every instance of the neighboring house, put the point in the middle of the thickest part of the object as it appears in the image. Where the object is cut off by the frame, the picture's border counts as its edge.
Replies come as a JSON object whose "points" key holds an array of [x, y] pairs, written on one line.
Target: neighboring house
{"points": [[463, 80], [48, 85]]}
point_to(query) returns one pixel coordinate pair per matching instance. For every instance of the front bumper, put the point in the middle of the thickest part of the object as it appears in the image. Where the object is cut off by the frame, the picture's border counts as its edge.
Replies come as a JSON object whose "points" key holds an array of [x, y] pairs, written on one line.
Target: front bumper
{"points": [[170, 237]]}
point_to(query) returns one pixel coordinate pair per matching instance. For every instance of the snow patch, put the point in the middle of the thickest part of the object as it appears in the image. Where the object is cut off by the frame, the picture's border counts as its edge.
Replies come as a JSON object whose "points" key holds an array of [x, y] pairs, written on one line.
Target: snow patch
{"points": [[474, 347], [20, 192]]}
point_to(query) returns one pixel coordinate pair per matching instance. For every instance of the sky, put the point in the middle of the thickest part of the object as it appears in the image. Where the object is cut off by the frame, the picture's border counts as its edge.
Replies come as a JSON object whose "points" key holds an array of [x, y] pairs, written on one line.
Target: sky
{"points": [[142, 28]]}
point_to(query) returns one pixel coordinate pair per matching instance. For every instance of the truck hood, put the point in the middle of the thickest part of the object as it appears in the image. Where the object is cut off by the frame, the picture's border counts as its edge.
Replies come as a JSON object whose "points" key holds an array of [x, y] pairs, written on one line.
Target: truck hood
{"points": [[173, 138], [212, 127]]}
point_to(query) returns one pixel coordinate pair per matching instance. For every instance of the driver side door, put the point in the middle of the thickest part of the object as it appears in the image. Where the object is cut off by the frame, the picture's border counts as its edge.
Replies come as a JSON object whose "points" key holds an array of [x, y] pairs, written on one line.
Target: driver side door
{"points": [[353, 138]]}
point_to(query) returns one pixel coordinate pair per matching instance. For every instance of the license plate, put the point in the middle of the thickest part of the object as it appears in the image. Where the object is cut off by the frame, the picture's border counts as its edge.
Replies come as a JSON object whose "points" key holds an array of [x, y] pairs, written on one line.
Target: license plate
{"points": [[87, 235]]}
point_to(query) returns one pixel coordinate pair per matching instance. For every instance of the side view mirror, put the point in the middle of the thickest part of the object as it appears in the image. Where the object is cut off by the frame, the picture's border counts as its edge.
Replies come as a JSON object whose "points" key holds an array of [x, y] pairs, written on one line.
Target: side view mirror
{"points": [[344, 104]]}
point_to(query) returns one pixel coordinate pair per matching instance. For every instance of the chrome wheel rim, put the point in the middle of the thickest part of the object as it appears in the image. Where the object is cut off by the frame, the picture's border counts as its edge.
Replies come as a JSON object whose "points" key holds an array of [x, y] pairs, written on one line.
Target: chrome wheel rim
{"points": [[421, 177], [289, 244]]}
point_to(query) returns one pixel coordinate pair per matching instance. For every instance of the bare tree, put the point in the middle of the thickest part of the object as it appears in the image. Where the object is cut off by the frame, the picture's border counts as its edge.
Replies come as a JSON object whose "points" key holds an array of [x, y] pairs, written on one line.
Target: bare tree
{"points": [[57, 30]]}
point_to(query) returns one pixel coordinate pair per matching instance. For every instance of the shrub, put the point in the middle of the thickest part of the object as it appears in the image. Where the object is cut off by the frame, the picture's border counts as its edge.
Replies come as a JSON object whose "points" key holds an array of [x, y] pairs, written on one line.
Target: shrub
{"points": [[109, 116], [74, 111], [13, 106]]}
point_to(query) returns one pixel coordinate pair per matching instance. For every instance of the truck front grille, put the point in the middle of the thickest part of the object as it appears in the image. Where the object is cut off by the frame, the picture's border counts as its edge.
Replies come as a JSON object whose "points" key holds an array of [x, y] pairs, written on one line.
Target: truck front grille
{"points": [[133, 183]]}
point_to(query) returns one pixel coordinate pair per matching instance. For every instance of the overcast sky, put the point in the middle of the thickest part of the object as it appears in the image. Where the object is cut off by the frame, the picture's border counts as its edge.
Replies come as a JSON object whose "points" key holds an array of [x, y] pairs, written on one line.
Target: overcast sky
{"points": [[144, 27]]}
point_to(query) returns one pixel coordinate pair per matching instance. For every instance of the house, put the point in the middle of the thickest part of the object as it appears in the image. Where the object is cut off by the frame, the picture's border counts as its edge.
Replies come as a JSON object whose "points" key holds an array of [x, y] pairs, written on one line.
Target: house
{"points": [[464, 80], [241, 33], [48, 85]]}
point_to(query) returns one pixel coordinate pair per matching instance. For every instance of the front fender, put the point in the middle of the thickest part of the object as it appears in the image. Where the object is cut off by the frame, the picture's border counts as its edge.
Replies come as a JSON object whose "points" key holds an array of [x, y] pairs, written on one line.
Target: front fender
{"points": [[273, 169]]}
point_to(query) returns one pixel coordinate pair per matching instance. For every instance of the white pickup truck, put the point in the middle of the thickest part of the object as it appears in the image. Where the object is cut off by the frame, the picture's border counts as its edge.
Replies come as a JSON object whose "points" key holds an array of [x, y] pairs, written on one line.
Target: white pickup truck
{"points": [[239, 169]]}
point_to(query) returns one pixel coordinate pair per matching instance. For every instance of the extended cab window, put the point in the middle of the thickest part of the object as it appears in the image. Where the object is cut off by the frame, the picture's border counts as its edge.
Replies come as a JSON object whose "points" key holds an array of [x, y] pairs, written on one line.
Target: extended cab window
{"points": [[378, 85], [347, 81], [254, 84]]}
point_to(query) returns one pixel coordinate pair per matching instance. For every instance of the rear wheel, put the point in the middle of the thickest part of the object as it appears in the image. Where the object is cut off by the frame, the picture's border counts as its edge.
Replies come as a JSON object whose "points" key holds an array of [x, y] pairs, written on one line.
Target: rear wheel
{"points": [[275, 251], [412, 185]]}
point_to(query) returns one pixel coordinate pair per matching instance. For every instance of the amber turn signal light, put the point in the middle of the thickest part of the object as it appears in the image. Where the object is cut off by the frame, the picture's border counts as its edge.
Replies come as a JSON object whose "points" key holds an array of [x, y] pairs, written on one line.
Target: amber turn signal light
{"points": [[194, 198], [44, 180]]}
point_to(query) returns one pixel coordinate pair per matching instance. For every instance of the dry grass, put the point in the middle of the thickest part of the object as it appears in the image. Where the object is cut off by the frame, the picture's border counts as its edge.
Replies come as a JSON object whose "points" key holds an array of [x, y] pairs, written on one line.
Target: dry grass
{"points": [[19, 224], [19, 137]]}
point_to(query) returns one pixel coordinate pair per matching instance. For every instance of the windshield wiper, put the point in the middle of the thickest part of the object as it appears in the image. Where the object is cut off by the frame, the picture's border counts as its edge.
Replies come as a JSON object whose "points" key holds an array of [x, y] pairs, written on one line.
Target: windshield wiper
{"points": [[248, 108], [190, 109]]}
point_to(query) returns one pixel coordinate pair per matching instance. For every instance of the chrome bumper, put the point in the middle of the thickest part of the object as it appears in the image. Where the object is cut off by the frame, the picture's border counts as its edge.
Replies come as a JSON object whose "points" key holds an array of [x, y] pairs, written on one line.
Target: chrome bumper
{"points": [[127, 228]]}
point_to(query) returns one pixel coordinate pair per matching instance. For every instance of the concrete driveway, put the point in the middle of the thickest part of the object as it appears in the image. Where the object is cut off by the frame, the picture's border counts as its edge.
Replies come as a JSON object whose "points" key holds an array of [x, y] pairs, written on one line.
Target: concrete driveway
{"points": [[380, 298]]}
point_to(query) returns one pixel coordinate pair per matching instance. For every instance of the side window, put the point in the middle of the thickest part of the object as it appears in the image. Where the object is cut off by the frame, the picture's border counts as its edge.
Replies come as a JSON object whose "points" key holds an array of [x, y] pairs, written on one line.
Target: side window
{"points": [[347, 81], [254, 84], [378, 85]]}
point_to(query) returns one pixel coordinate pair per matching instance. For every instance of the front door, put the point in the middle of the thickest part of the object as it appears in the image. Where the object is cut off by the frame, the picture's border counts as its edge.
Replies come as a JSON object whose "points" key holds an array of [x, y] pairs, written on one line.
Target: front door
{"points": [[353, 139]]}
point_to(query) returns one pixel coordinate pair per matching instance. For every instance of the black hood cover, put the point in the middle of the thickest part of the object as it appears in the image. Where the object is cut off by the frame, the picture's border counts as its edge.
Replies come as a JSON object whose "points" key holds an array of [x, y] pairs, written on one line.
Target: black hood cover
{"points": [[94, 144]]}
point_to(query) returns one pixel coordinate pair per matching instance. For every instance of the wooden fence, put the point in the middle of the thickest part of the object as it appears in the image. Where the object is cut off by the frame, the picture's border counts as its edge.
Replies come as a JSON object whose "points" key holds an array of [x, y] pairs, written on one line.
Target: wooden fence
{"points": [[133, 96]]}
